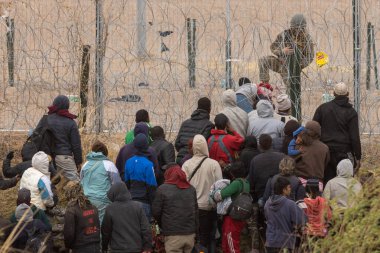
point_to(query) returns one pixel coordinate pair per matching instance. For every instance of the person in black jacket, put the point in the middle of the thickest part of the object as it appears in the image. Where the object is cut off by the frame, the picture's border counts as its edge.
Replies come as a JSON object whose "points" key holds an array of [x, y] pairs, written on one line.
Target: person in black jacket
{"points": [[27, 154], [125, 227], [263, 166], [164, 149], [249, 151], [340, 130], [67, 142], [6, 184], [82, 228], [175, 207], [199, 123]]}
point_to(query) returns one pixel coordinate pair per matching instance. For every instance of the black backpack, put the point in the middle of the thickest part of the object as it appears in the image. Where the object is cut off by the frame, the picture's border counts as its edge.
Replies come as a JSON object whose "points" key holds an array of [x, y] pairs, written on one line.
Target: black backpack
{"points": [[42, 138], [241, 207]]}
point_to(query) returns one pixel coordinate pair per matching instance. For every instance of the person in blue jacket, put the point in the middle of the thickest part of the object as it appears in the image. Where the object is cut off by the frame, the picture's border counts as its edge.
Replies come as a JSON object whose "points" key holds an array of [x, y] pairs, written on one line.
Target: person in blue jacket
{"points": [[139, 175], [97, 176]]}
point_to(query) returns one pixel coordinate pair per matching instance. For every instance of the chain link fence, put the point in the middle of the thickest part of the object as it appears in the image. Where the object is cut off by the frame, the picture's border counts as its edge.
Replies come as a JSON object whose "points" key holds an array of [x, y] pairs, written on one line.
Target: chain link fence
{"points": [[143, 65]]}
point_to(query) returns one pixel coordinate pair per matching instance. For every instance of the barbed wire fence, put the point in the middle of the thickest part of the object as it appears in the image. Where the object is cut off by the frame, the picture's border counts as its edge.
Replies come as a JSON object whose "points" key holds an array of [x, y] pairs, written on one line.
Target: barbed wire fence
{"points": [[145, 54]]}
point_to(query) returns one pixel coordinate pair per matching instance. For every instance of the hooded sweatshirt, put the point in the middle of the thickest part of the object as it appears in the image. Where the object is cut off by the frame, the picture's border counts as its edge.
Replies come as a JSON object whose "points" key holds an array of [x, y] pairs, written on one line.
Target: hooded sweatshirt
{"points": [[238, 118], [343, 187], [97, 176], [37, 180], [265, 123], [282, 215], [319, 214], [125, 227], [199, 123], [231, 144], [129, 150], [245, 96], [207, 174], [139, 172]]}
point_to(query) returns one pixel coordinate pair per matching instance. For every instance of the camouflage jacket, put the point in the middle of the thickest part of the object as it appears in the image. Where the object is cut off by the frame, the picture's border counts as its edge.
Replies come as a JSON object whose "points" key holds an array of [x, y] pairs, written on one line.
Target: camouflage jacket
{"points": [[302, 42]]}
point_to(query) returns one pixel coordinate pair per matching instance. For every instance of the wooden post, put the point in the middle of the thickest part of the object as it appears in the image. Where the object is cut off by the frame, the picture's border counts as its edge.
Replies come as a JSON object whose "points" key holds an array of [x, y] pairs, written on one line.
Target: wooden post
{"points": [[10, 49], [84, 77], [295, 83]]}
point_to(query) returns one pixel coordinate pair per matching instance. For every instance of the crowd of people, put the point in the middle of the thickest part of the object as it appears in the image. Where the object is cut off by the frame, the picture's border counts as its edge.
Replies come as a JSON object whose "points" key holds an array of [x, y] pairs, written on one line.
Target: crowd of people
{"points": [[254, 172]]}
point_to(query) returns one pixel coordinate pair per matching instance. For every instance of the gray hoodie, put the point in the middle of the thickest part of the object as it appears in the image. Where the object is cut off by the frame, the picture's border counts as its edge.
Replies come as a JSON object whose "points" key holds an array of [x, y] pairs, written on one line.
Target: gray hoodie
{"points": [[125, 227], [265, 123], [238, 118], [343, 187]]}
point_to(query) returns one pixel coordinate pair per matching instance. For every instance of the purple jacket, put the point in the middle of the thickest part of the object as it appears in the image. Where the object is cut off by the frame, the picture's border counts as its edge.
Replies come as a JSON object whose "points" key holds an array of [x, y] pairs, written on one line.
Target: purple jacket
{"points": [[282, 215]]}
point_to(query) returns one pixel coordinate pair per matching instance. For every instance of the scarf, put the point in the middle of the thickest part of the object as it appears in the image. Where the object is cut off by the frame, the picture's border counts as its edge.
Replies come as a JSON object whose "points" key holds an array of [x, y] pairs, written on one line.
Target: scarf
{"points": [[174, 175], [62, 112]]}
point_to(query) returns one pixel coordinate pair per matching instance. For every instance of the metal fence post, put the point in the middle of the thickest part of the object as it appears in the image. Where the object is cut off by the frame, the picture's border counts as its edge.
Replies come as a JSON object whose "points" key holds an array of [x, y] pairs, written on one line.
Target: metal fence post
{"points": [[228, 46], [357, 51], [295, 83], [369, 42], [373, 42], [99, 78], [191, 49]]}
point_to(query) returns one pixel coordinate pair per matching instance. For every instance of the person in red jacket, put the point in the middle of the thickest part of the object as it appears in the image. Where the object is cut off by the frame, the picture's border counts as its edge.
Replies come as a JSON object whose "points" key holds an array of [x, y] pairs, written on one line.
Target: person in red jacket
{"points": [[317, 210], [224, 142]]}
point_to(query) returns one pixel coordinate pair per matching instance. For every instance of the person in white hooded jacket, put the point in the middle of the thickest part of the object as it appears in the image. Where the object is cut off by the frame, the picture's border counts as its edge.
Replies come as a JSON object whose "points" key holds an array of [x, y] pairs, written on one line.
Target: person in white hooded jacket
{"points": [[37, 180], [237, 117], [208, 173], [344, 186], [265, 123]]}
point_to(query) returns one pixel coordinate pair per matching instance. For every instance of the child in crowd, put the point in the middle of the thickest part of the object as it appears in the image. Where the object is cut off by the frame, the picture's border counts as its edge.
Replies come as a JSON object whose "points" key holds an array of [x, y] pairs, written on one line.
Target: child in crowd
{"points": [[317, 210]]}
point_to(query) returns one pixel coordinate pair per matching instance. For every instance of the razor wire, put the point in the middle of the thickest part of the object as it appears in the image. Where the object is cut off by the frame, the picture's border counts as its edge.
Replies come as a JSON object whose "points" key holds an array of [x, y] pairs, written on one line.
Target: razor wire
{"points": [[49, 36]]}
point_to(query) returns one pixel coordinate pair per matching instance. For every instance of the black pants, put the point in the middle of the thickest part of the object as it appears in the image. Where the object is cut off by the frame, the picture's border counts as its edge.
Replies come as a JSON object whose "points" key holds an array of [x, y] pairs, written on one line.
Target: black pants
{"points": [[330, 170], [207, 221]]}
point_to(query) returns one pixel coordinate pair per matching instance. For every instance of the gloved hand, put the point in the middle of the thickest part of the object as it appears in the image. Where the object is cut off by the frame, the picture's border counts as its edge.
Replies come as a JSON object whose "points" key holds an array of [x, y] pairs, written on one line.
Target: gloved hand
{"points": [[10, 155]]}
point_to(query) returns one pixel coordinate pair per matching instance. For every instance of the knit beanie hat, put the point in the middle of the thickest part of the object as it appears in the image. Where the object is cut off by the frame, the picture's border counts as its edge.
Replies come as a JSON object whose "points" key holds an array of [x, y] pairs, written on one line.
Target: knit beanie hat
{"points": [[283, 102], [40, 162], [24, 212], [290, 127], [204, 103], [298, 21], [23, 196], [62, 102], [315, 127], [341, 89]]}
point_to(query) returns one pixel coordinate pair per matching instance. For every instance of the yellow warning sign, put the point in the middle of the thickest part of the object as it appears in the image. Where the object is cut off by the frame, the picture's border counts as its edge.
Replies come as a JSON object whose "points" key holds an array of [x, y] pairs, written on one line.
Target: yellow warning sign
{"points": [[321, 58]]}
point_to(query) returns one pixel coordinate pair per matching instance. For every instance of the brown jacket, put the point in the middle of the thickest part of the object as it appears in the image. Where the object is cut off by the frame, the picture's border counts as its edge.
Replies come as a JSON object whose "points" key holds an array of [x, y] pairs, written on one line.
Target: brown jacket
{"points": [[312, 161]]}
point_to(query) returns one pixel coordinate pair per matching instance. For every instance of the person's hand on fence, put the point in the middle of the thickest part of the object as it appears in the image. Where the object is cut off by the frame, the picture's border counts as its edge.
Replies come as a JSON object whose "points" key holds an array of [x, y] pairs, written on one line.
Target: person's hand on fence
{"points": [[288, 51], [10, 155]]}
